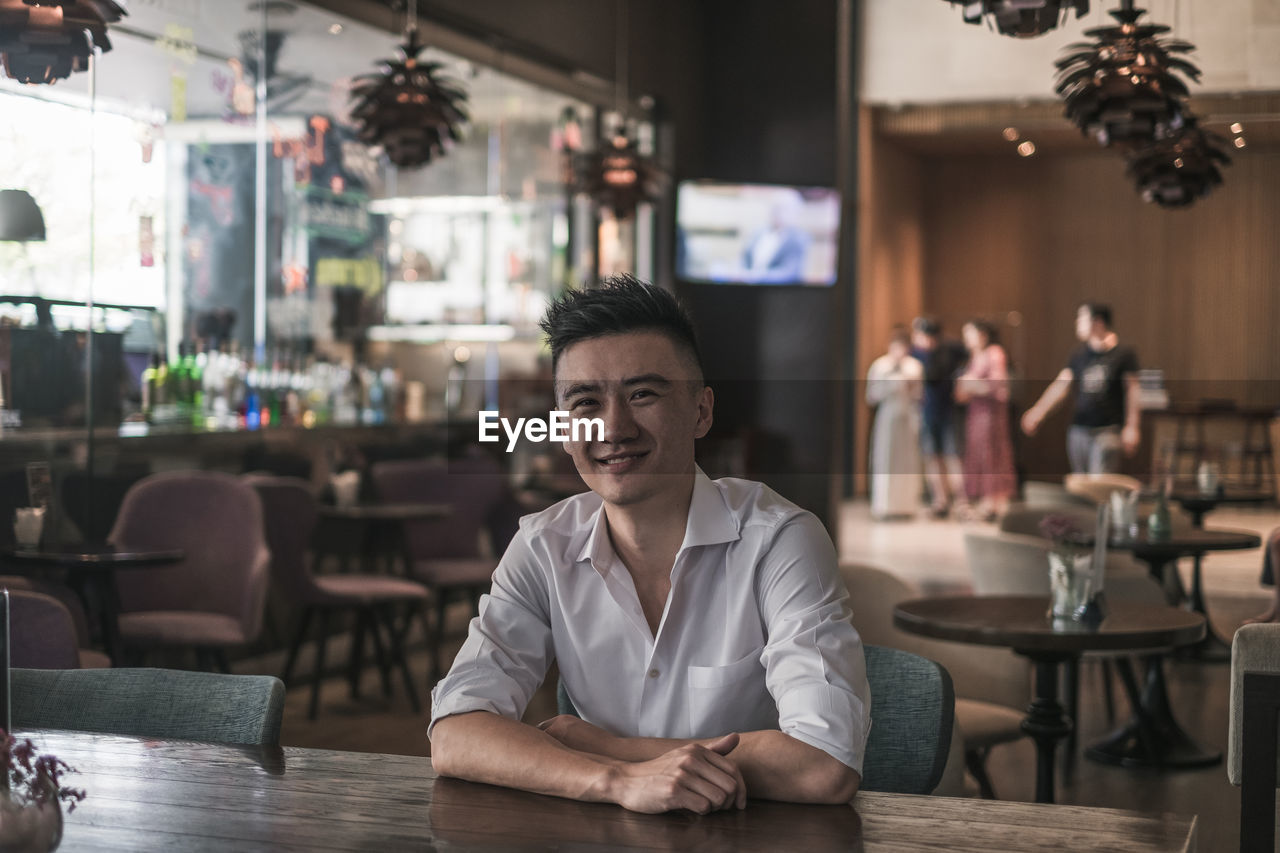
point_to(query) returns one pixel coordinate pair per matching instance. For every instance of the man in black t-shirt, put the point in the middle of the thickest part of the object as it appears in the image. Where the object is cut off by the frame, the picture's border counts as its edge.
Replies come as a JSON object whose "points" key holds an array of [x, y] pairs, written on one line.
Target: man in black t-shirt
{"points": [[1106, 411], [940, 428]]}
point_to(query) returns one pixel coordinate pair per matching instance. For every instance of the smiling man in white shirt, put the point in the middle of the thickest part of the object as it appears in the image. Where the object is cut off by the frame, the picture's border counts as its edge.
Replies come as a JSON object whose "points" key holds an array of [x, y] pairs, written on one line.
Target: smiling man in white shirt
{"points": [[700, 626]]}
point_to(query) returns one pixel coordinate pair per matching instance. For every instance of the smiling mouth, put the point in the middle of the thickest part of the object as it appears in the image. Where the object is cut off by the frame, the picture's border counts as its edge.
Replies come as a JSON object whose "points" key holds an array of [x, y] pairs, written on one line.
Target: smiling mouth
{"points": [[621, 461]]}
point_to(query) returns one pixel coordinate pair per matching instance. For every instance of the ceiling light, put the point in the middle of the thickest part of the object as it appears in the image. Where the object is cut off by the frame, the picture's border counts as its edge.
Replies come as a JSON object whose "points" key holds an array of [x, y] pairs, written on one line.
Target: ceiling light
{"points": [[1021, 18], [1124, 88], [1177, 170], [43, 41], [1026, 148], [1237, 127], [335, 29], [1010, 134], [1238, 142]]}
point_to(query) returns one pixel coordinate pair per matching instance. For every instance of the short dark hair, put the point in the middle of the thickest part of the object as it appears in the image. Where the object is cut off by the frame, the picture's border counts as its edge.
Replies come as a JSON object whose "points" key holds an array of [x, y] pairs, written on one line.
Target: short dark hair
{"points": [[927, 326], [622, 303], [986, 328], [1098, 311]]}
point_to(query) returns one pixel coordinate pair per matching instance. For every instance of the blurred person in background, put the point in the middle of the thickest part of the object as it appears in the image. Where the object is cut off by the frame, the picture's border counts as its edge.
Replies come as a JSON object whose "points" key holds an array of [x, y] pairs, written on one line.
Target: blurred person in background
{"points": [[895, 387], [1105, 421], [989, 477], [940, 437]]}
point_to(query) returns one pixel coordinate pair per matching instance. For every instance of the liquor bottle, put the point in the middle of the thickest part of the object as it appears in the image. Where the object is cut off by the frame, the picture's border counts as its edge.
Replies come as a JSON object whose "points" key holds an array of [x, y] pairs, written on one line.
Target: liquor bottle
{"points": [[150, 388]]}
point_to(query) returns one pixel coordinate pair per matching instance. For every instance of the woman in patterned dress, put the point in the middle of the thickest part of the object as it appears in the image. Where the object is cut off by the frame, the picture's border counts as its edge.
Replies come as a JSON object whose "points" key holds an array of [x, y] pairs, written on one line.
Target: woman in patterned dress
{"points": [[989, 477]]}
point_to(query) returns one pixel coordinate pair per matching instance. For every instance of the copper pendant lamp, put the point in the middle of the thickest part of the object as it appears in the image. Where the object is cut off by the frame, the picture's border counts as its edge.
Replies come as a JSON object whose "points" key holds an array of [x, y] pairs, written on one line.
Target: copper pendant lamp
{"points": [[1021, 18], [43, 41]]}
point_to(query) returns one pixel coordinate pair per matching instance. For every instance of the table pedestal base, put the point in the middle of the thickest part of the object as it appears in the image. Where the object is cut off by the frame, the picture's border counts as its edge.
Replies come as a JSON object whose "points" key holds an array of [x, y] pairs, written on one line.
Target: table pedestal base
{"points": [[1046, 721], [1152, 737]]}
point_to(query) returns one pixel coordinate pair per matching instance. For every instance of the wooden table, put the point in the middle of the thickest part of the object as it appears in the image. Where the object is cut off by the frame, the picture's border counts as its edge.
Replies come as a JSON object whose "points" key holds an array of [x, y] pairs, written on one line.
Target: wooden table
{"points": [[148, 795], [1020, 623], [1161, 555], [93, 567]]}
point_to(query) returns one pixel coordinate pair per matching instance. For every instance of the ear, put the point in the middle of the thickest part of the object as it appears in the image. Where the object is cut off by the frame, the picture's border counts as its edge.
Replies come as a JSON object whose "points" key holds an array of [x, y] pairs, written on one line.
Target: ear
{"points": [[706, 402]]}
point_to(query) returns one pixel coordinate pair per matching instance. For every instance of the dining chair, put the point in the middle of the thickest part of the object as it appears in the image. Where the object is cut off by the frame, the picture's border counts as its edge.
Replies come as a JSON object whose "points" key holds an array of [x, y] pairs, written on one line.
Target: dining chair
{"points": [[1098, 487], [41, 633], [1255, 699], [215, 597], [89, 658], [455, 556], [992, 685], [290, 516], [153, 703], [912, 718]]}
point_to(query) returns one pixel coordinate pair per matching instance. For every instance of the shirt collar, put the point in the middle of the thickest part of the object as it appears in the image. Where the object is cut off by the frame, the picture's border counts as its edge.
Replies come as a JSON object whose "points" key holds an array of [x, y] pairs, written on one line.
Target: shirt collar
{"points": [[710, 523]]}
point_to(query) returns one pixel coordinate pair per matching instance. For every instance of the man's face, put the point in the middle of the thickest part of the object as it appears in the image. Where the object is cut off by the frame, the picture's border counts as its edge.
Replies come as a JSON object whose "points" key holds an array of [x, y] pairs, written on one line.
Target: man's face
{"points": [[920, 340], [1084, 323], [653, 404]]}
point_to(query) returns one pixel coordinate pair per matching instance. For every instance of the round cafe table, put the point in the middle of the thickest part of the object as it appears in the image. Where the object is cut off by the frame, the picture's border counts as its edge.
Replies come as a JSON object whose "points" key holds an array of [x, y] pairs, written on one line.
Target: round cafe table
{"points": [[1020, 623], [1161, 553], [375, 529], [92, 567]]}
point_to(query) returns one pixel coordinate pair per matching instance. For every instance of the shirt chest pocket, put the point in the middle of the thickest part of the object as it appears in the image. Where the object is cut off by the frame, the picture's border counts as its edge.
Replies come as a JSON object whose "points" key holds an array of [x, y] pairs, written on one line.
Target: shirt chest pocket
{"points": [[728, 697]]}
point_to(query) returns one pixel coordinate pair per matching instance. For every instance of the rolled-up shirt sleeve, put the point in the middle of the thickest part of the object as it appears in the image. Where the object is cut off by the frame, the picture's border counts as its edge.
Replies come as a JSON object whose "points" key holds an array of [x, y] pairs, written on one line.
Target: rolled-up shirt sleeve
{"points": [[508, 647], [814, 665]]}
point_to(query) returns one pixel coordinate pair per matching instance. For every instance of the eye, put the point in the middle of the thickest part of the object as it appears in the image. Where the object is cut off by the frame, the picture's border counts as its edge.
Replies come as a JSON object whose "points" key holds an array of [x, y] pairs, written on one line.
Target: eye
{"points": [[642, 393], [581, 403]]}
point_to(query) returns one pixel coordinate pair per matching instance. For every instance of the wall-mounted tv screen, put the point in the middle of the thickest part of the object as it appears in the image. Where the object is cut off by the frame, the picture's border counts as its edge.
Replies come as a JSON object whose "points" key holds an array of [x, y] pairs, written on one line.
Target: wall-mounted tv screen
{"points": [[756, 233]]}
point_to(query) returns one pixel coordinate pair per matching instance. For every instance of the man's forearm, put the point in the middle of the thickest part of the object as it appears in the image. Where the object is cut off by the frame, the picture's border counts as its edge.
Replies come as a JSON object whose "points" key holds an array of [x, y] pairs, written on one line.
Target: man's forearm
{"points": [[1052, 397], [484, 747], [774, 765]]}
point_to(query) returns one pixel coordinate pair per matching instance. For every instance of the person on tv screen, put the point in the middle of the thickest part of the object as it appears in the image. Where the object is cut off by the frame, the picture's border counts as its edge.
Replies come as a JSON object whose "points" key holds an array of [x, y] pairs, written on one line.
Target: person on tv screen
{"points": [[776, 254], [701, 627]]}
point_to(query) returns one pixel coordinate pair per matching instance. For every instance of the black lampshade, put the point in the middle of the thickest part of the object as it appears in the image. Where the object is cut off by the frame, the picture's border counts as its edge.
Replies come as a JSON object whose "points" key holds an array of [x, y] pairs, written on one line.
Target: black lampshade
{"points": [[43, 41], [1126, 87], [1177, 170], [617, 176], [20, 217], [1021, 18], [409, 108]]}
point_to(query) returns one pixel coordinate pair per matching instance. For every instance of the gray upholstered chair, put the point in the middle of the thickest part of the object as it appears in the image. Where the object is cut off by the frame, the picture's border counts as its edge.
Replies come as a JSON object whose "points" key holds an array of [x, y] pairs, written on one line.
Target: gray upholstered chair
{"points": [[215, 597], [157, 703], [992, 685], [912, 717], [1255, 650], [41, 633], [290, 516]]}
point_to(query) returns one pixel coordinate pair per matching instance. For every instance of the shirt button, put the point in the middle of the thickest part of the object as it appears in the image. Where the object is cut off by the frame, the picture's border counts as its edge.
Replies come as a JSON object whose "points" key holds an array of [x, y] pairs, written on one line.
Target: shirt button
{"points": [[653, 673]]}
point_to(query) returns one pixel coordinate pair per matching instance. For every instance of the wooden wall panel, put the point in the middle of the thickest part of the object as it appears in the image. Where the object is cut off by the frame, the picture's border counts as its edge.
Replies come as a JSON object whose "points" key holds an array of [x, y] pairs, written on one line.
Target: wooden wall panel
{"points": [[891, 258], [1195, 290]]}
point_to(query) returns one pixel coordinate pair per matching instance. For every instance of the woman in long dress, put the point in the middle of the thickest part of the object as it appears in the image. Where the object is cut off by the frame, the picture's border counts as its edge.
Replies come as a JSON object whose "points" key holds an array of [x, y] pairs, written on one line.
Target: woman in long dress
{"points": [[989, 476], [894, 386]]}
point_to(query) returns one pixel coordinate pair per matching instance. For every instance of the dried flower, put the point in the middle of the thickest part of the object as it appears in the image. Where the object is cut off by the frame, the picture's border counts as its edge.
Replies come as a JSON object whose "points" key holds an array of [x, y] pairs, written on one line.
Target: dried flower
{"points": [[35, 780], [1064, 530]]}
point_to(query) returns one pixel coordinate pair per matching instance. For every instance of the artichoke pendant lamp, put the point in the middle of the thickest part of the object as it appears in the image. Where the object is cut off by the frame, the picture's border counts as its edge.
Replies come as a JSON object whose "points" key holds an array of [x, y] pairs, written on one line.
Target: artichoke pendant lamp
{"points": [[409, 109], [44, 41], [616, 175], [1177, 170], [1126, 88], [1021, 18]]}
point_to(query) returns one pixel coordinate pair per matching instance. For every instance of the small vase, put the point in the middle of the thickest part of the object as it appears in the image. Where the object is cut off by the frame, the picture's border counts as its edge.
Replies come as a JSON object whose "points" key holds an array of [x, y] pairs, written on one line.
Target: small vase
{"points": [[29, 827], [1070, 585]]}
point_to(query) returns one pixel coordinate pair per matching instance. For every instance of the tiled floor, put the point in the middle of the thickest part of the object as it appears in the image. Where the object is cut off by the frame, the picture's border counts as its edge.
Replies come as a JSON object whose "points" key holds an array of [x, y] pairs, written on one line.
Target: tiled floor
{"points": [[931, 554]]}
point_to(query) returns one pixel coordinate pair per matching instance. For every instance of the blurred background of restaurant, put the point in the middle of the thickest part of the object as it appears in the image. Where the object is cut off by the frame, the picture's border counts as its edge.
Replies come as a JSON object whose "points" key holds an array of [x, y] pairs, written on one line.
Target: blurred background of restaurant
{"points": [[229, 279]]}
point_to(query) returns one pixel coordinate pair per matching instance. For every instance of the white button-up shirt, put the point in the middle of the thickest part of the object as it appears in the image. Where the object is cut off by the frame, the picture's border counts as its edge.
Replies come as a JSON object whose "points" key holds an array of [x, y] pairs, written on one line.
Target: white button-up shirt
{"points": [[755, 633]]}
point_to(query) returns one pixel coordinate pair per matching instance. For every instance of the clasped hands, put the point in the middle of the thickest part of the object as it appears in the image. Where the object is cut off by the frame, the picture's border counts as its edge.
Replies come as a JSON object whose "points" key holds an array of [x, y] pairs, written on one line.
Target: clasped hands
{"points": [[700, 777]]}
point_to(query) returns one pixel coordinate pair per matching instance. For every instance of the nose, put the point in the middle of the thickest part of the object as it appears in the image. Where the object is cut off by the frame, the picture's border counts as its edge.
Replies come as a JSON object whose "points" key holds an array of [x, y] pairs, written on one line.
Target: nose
{"points": [[619, 425]]}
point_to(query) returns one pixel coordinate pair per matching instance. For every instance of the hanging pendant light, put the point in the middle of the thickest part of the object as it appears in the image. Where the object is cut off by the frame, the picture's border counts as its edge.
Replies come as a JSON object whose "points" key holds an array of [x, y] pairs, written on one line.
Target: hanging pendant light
{"points": [[616, 175], [43, 41], [408, 108], [1178, 169], [1021, 18], [1125, 88]]}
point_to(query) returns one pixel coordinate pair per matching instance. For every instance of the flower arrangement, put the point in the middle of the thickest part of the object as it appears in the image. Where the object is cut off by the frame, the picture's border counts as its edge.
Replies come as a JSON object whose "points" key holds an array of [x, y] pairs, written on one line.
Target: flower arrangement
{"points": [[1065, 532], [35, 779]]}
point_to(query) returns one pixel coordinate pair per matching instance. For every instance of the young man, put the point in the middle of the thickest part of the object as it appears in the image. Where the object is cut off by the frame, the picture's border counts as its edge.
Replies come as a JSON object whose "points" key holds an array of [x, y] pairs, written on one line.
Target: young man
{"points": [[939, 420], [700, 627], [1106, 413]]}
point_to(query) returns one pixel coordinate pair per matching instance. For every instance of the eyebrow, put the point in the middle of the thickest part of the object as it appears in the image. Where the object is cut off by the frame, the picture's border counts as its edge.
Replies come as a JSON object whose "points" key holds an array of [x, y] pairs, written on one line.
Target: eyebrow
{"points": [[594, 387]]}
